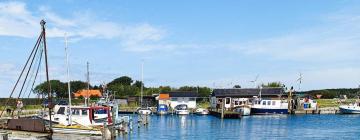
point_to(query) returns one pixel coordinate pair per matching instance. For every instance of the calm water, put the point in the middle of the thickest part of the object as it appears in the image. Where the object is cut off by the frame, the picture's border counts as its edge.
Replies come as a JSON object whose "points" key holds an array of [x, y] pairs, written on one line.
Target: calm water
{"points": [[251, 127], [191, 127]]}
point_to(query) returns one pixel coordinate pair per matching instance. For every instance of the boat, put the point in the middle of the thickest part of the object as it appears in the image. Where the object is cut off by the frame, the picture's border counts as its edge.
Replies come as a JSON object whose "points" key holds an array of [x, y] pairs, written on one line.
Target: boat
{"points": [[269, 106], [350, 109], [202, 111], [143, 110], [242, 105], [181, 109], [162, 109]]}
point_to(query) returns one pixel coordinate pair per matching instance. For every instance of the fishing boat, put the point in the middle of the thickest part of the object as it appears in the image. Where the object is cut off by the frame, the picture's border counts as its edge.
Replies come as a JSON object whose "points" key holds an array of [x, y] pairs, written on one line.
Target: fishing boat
{"points": [[242, 105], [202, 111], [269, 106], [181, 109], [162, 109], [350, 109]]}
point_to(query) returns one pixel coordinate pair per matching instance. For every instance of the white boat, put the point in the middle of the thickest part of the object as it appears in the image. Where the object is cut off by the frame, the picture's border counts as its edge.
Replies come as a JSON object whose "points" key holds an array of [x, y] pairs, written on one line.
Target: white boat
{"points": [[182, 109], [269, 106], [144, 111], [242, 105], [202, 111], [350, 109]]}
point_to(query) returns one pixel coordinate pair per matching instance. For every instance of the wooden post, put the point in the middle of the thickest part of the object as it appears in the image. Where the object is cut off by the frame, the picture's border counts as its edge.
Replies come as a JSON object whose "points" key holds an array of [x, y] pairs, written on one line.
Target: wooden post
{"points": [[222, 108], [289, 101]]}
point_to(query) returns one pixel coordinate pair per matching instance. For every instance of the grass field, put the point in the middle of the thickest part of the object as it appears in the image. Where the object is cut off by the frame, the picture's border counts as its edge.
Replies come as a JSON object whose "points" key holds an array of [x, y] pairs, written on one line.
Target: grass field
{"points": [[332, 102]]}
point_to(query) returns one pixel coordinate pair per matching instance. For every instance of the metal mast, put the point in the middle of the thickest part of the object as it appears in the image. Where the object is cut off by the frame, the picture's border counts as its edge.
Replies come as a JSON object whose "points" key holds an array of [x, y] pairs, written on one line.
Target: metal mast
{"points": [[142, 82], [68, 78], [88, 84], [42, 23]]}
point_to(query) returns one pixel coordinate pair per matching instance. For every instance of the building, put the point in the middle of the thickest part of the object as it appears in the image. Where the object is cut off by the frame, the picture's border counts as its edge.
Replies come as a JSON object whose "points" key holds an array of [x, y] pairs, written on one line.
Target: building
{"points": [[237, 96], [148, 101], [87, 93], [181, 97]]}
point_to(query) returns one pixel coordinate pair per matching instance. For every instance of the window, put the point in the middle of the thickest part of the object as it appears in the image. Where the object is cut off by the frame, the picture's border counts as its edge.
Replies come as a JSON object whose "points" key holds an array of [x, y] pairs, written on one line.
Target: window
{"points": [[236, 102], [174, 99], [76, 112], [269, 103], [191, 99], [227, 101], [263, 102], [84, 112], [273, 102], [61, 110]]}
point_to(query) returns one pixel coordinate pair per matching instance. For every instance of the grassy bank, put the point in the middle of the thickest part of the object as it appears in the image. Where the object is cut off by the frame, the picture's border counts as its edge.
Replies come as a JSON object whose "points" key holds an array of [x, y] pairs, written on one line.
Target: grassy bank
{"points": [[332, 102]]}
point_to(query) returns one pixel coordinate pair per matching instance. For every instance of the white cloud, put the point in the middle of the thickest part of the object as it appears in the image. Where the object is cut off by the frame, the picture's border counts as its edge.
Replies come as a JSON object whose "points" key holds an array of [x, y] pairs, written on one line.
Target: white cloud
{"points": [[16, 20]]}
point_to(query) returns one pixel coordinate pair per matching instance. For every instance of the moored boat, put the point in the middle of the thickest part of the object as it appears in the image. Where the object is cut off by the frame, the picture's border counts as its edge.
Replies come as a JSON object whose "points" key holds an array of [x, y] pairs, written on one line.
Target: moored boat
{"points": [[182, 109], [269, 106], [202, 111], [162, 109], [350, 109]]}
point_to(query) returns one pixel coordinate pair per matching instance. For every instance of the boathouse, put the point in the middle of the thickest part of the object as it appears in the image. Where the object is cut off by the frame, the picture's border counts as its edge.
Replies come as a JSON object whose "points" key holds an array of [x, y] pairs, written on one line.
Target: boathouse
{"points": [[175, 98], [239, 96]]}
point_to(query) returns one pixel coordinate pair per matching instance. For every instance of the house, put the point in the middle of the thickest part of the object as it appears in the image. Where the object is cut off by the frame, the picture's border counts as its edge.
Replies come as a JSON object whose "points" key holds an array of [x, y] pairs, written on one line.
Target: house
{"points": [[148, 101], [179, 97], [87, 93], [239, 96]]}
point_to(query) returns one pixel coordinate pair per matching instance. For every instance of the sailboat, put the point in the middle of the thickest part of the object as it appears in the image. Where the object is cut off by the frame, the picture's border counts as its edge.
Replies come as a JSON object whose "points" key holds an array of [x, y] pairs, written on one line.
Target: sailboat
{"points": [[142, 110]]}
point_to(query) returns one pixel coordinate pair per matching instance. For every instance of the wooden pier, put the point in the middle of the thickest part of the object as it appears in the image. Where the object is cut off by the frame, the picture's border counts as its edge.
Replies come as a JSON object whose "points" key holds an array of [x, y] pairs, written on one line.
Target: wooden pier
{"points": [[226, 115]]}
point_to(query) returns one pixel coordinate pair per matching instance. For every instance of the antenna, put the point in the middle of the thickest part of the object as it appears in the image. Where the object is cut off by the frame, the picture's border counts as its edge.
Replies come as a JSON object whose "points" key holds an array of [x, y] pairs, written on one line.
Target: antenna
{"points": [[300, 80], [88, 83], [255, 81]]}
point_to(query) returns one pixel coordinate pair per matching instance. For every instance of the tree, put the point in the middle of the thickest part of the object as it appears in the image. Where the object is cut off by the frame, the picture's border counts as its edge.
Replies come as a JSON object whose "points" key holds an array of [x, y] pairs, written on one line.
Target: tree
{"points": [[273, 84], [237, 86], [58, 88], [165, 88], [138, 84], [78, 85], [123, 80]]}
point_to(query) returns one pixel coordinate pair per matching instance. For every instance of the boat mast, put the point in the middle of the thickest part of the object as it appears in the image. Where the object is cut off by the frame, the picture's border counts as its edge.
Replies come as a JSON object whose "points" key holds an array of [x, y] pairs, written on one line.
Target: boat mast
{"points": [[142, 82], [42, 23], [68, 79], [88, 84]]}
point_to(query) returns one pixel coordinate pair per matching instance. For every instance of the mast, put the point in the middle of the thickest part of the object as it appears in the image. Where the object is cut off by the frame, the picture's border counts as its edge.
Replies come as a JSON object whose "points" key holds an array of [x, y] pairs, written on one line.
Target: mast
{"points": [[142, 82], [42, 23], [68, 79], [88, 84]]}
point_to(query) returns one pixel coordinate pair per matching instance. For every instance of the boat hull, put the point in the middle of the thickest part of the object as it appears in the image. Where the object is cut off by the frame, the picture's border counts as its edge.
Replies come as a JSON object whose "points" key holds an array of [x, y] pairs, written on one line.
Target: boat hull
{"points": [[182, 112], [265, 111], [162, 112], [345, 110]]}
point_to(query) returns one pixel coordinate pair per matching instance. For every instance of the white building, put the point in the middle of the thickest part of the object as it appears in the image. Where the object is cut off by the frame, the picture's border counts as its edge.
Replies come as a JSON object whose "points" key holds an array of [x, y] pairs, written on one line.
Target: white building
{"points": [[173, 99]]}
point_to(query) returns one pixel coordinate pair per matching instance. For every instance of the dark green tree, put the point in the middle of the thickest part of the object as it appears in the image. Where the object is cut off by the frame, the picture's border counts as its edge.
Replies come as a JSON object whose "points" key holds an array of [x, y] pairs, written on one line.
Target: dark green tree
{"points": [[57, 88], [237, 86], [273, 84], [123, 80], [78, 85]]}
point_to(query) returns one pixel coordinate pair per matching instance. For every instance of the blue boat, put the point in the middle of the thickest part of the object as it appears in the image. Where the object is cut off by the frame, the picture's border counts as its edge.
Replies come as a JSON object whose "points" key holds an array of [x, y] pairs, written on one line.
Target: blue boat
{"points": [[162, 109]]}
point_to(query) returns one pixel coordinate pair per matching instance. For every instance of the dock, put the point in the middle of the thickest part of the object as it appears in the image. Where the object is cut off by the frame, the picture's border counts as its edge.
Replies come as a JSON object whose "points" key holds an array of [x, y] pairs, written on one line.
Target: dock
{"points": [[326, 110], [226, 115]]}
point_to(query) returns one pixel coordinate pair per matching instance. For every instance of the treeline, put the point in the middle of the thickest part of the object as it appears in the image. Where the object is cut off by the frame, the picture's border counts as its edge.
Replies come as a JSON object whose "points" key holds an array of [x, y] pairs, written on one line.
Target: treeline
{"points": [[121, 87], [334, 93]]}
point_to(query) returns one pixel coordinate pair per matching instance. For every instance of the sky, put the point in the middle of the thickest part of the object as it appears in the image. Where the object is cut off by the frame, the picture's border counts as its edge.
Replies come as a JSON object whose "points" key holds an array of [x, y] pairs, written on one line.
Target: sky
{"points": [[198, 43]]}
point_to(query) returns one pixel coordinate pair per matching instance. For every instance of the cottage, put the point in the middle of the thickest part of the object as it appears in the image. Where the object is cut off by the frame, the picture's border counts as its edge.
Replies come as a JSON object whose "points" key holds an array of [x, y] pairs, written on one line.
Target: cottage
{"points": [[175, 98], [87, 93], [242, 96]]}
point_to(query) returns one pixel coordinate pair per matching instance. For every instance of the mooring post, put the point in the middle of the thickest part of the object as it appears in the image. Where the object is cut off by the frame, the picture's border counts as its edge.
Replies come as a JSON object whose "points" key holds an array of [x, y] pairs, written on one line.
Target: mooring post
{"points": [[222, 108]]}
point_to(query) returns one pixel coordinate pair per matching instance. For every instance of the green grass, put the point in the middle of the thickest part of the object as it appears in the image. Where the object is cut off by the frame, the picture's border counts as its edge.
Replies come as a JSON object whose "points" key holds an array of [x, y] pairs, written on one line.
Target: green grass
{"points": [[203, 104], [332, 102]]}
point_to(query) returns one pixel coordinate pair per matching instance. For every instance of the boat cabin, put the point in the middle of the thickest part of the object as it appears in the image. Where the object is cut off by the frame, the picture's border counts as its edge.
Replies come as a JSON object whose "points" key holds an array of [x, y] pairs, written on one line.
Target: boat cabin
{"points": [[235, 97]]}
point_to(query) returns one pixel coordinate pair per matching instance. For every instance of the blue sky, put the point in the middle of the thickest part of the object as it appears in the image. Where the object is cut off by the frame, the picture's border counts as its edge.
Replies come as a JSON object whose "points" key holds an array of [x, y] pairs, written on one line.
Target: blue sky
{"points": [[206, 43]]}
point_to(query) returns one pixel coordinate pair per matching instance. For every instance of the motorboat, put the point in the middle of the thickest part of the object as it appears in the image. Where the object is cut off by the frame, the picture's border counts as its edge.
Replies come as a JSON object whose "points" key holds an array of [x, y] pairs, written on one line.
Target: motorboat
{"points": [[350, 109], [162, 109], [202, 111], [242, 105], [181, 109], [144, 111], [269, 106]]}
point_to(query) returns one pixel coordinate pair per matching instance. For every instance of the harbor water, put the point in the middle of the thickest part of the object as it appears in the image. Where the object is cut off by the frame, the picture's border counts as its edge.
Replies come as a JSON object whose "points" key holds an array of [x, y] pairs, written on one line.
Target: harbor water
{"points": [[174, 127]]}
